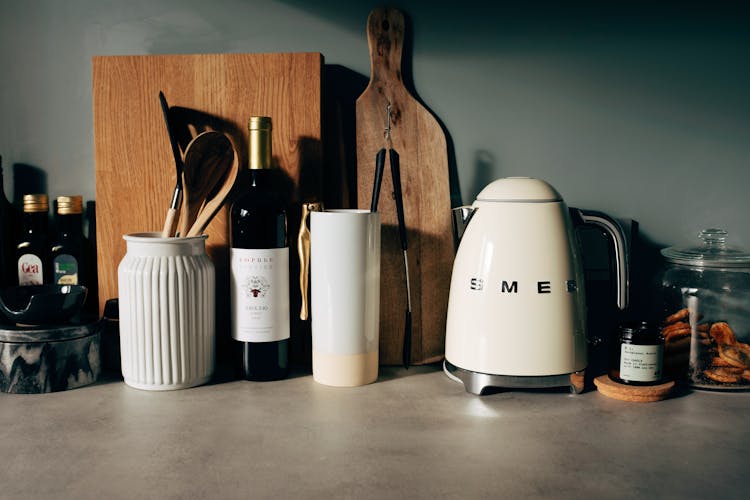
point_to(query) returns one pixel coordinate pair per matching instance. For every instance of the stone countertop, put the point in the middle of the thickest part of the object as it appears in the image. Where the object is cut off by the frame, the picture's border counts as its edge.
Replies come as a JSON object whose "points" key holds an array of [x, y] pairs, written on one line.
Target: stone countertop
{"points": [[413, 434]]}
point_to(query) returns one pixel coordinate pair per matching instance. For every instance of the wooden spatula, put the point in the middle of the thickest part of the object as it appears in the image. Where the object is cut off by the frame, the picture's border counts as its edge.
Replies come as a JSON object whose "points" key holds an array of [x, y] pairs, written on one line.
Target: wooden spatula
{"points": [[420, 142]]}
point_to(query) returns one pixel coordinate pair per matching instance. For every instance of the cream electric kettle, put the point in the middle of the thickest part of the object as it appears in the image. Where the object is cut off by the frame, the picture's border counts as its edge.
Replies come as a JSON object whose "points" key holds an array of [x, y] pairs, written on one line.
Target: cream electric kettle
{"points": [[516, 310]]}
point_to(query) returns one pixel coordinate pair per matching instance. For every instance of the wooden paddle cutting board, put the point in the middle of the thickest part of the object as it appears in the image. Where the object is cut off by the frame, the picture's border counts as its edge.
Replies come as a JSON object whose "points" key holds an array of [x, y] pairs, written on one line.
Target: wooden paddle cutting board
{"points": [[418, 138]]}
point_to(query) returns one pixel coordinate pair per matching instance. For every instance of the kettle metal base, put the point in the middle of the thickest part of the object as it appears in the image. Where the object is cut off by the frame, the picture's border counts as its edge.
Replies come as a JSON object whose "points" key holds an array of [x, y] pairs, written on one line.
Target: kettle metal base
{"points": [[477, 383]]}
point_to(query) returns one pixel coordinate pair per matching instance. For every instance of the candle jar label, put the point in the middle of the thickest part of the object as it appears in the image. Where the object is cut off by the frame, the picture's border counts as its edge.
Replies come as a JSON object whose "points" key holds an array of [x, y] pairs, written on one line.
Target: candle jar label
{"points": [[640, 363]]}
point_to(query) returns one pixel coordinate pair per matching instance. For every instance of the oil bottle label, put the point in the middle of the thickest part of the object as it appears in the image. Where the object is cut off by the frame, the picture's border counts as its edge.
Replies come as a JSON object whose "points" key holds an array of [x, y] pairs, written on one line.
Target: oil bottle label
{"points": [[66, 270], [30, 271], [640, 363], [259, 284]]}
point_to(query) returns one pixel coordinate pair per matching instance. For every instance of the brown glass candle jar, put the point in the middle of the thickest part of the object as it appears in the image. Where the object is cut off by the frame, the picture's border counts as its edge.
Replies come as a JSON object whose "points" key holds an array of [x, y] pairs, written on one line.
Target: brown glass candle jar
{"points": [[637, 355]]}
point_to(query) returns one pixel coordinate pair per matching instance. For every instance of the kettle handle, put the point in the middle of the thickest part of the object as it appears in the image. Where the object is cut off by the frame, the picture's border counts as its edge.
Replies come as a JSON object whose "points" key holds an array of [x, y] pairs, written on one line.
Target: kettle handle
{"points": [[622, 253]]}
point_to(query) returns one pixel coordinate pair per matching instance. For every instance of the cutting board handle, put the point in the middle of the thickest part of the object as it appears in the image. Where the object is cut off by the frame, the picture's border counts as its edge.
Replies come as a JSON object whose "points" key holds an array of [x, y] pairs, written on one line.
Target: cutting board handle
{"points": [[385, 37]]}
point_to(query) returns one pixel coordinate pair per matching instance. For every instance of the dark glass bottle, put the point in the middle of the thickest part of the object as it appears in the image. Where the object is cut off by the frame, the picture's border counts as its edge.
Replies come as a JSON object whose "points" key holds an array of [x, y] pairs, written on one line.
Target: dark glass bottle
{"points": [[259, 264], [67, 254], [8, 224], [637, 356], [32, 251], [89, 257]]}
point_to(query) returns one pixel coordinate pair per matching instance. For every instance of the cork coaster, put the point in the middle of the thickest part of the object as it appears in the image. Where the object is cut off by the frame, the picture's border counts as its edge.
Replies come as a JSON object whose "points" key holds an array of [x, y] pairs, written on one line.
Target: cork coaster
{"points": [[633, 393]]}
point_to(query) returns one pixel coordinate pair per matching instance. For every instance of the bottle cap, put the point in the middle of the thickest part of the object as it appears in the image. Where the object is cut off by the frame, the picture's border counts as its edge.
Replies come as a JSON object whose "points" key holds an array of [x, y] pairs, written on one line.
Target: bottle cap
{"points": [[259, 123], [259, 155], [67, 205], [35, 203], [629, 330]]}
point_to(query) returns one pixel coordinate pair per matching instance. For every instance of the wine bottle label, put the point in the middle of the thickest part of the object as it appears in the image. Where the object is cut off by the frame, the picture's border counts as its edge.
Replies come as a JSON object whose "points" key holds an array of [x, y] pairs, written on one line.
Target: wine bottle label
{"points": [[640, 363], [259, 285], [30, 270], [65, 269]]}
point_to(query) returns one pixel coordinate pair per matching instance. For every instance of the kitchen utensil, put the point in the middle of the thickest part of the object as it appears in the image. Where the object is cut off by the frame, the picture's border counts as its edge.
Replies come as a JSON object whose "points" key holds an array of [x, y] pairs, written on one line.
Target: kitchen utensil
{"points": [[421, 146], [174, 206], [212, 90], [42, 304], [167, 293], [706, 313], [517, 313], [303, 250], [207, 158], [216, 200], [345, 296], [398, 197]]}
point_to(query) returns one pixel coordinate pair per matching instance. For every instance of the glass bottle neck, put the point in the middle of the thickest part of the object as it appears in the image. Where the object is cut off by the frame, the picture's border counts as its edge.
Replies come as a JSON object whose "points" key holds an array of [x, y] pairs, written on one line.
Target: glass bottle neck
{"points": [[70, 224], [35, 222], [259, 152], [259, 177]]}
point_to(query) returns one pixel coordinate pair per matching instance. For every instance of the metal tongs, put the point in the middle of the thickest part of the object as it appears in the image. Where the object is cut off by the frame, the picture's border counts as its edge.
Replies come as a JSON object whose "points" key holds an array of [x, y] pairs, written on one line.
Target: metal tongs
{"points": [[397, 193]]}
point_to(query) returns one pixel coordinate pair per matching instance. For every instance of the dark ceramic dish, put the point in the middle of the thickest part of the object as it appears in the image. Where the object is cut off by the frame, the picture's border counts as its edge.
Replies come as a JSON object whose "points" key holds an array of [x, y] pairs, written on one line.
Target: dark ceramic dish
{"points": [[41, 304]]}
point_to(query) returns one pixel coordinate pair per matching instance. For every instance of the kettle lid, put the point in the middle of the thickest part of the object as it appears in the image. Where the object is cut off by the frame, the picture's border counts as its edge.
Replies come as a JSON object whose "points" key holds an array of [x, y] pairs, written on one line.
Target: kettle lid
{"points": [[524, 189]]}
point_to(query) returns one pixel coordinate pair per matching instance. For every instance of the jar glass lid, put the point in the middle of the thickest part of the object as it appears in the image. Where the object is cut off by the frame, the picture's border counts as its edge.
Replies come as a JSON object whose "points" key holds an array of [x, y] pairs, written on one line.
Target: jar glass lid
{"points": [[712, 252]]}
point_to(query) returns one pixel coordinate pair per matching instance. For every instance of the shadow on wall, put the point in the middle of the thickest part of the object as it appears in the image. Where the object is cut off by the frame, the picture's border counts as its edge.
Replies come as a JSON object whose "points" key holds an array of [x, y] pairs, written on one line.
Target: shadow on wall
{"points": [[407, 58], [341, 89], [484, 171], [27, 179], [444, 28], [657, 50]]}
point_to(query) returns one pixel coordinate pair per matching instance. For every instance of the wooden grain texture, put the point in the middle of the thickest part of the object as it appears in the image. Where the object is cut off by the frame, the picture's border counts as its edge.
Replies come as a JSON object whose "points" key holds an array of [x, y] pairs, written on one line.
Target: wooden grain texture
{"points": [[134, 165], [420, 142]]}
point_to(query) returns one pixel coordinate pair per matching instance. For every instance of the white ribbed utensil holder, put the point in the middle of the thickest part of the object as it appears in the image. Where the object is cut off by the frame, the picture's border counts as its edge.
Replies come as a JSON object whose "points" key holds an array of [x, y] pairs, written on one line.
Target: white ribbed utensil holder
{"points": [[167, 308]]}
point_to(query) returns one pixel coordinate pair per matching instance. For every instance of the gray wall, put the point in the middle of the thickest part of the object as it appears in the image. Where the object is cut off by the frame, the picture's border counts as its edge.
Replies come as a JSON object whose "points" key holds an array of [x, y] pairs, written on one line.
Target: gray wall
{"points": [[636, 110]]}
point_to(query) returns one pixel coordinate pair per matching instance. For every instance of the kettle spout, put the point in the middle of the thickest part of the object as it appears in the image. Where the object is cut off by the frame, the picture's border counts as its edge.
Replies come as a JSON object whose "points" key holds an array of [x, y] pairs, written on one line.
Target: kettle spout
{"points": [[461, 217]]}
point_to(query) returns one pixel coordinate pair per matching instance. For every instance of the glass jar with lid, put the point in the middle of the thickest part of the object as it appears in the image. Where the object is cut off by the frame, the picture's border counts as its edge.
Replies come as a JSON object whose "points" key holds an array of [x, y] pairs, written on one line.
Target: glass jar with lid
{"points": [[706, 325]]}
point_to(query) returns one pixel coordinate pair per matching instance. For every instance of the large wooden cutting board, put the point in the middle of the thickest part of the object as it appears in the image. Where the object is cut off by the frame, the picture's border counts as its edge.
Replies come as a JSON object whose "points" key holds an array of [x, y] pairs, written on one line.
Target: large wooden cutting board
{"points": [[420, 142], [134, 167]]}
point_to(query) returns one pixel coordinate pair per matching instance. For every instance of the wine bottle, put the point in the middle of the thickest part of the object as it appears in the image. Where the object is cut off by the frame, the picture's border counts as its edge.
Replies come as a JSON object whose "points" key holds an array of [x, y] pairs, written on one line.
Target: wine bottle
{"points": [[8, 224], [68, 247], [259, 264], [32, 250]]}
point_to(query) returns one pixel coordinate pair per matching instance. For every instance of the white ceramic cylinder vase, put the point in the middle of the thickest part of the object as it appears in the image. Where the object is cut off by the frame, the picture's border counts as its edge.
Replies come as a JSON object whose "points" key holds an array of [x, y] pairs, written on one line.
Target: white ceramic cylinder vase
{"points": [[167, 312], [345, 296]]}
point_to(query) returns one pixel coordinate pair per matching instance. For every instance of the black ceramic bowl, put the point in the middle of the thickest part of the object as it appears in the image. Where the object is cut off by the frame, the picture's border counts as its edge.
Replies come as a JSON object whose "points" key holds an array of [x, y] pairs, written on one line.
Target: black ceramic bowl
{"points": [[41, 304]]}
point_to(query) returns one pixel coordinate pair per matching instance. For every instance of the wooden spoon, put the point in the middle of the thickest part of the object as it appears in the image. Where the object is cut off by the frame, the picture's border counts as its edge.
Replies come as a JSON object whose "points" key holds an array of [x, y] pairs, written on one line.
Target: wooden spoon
{"points": [[212, 206], [207, 159]]}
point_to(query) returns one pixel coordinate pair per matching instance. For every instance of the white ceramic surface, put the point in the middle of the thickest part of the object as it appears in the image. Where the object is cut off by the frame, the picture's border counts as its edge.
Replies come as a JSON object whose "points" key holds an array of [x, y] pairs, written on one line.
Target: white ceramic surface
{"points": [[516, 303], [167, 311], [345, 296]]}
